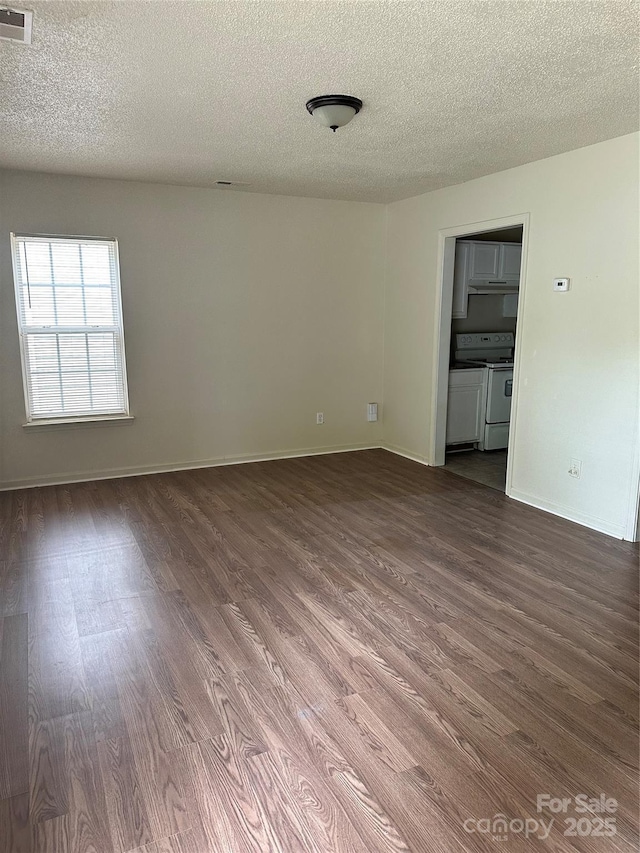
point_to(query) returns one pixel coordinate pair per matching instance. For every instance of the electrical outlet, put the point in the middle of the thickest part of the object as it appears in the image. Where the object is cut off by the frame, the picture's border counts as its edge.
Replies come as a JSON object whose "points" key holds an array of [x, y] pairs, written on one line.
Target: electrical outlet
{"points": [[575, 468], [319, 417]]}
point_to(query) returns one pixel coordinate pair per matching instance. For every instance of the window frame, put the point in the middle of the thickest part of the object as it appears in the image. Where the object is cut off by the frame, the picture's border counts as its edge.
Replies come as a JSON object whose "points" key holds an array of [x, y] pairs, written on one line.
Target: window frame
{"points": [[94, 418]]}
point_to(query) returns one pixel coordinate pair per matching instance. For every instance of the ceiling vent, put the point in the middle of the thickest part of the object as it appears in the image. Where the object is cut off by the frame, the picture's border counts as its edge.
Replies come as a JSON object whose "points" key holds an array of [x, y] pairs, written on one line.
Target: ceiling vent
{"points": [[15, 25]]}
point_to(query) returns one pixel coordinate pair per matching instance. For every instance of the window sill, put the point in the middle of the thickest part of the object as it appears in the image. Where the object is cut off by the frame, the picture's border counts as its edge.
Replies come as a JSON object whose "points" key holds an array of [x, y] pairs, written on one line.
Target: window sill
{"points": [[74, 423]]}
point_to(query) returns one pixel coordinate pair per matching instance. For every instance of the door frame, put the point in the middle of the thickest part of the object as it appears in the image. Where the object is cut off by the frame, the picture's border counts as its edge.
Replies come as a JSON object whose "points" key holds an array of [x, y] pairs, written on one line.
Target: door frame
{"points": [[442, 332]]}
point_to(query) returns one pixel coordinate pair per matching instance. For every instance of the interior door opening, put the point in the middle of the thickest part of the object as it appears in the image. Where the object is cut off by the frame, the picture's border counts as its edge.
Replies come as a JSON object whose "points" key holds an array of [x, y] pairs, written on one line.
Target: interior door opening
{"points": [[480, 297]]}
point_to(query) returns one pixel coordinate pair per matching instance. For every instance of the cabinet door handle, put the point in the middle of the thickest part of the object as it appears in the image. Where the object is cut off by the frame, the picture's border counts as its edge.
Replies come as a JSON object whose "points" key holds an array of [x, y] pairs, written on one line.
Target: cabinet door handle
{"points": [[508, 387], [497, 282]]}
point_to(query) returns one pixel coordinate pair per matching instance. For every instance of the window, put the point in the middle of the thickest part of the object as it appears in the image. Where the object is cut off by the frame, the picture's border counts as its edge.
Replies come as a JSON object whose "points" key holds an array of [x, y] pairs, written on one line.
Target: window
{"points": [[70, 323]]}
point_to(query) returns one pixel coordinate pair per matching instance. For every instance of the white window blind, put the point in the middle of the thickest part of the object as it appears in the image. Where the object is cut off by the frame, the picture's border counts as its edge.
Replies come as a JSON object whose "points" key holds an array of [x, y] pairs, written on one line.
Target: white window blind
{"points": [[70, 323]]}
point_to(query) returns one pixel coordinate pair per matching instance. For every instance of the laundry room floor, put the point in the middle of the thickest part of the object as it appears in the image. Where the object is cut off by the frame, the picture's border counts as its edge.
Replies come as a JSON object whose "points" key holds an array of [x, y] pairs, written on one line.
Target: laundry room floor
{"points": [[488, 467]]}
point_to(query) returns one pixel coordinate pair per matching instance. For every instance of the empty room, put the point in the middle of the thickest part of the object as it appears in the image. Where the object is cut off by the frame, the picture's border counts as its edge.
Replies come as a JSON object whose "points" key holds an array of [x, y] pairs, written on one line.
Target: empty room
{"points": [[319, 426]]}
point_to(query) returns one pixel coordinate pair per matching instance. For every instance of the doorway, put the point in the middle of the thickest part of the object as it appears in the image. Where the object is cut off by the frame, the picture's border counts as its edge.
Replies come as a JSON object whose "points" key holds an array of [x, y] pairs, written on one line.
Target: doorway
{"points": [[482, 277]]}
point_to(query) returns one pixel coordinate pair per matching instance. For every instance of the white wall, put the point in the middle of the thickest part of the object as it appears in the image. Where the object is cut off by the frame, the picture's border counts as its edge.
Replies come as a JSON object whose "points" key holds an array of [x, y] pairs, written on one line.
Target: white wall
{"points": [[244, 315], [579, 359]]}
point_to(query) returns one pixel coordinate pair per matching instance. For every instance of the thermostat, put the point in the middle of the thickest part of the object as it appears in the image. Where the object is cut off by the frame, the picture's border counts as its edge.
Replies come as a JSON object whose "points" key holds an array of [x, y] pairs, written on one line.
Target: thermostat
{"points": [[561, 284]]}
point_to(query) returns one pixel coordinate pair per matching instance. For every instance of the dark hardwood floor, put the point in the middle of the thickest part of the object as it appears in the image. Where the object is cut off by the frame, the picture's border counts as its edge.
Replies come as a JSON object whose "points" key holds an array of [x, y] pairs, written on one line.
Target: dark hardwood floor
{"points": [[338, 653]]}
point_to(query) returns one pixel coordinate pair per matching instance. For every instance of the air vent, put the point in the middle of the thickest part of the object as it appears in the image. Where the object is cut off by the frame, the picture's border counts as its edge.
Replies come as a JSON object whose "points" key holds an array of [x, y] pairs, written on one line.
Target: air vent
{"points": [[15, 25]]}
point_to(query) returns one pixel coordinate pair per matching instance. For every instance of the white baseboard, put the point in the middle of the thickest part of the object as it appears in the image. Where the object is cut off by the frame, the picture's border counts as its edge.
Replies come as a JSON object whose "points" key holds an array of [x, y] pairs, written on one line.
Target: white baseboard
{"points": [[593, 522], [401, 451], [141, 470], [586, 520]]}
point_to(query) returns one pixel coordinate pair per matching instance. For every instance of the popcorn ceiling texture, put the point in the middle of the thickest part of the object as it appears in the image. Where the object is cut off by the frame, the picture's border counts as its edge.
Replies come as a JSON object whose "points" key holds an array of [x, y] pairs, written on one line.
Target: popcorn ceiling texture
{"points": [[193, 92]]}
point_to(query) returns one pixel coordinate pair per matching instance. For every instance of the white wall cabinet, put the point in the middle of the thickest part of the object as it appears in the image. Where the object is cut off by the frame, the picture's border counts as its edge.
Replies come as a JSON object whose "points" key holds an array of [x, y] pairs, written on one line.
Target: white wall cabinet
{"points": [[465, 406], [482, 261], [509, 263], [494, 261], [460, 281]]}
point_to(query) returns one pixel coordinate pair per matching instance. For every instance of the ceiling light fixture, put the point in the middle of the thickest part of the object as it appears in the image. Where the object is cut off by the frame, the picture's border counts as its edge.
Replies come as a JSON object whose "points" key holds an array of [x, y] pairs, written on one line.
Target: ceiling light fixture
{"points": [[334, 111]]}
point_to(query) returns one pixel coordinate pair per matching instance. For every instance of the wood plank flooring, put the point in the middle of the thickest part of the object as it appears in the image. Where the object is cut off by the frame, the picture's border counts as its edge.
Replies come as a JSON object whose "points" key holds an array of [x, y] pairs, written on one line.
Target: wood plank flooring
{"points": [[348, 653]]}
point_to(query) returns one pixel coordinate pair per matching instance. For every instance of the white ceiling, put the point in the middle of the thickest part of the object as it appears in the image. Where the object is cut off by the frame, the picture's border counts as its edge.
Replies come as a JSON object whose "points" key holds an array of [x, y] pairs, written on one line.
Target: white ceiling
{"points": [[192, 92]]}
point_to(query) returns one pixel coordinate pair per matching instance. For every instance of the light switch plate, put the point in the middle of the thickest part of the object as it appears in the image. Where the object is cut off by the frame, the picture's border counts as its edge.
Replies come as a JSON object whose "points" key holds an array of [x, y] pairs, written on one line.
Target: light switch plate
{"points": [[561, 285]]}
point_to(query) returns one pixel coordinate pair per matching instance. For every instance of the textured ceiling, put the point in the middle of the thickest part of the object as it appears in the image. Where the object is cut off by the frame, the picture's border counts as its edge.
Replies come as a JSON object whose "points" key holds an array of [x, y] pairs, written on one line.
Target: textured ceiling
{"points": [[193, 92]]}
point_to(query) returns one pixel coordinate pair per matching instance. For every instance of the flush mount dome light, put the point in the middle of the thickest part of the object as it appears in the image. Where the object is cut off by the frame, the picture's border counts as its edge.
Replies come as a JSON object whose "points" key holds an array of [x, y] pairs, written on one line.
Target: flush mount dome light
{"points": [[334, 111]]}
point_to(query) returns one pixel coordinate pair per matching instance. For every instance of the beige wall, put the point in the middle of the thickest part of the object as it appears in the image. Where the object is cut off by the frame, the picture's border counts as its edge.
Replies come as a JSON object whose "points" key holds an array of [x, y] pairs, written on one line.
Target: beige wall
{"points": [[244, 316], [578, 393]]}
